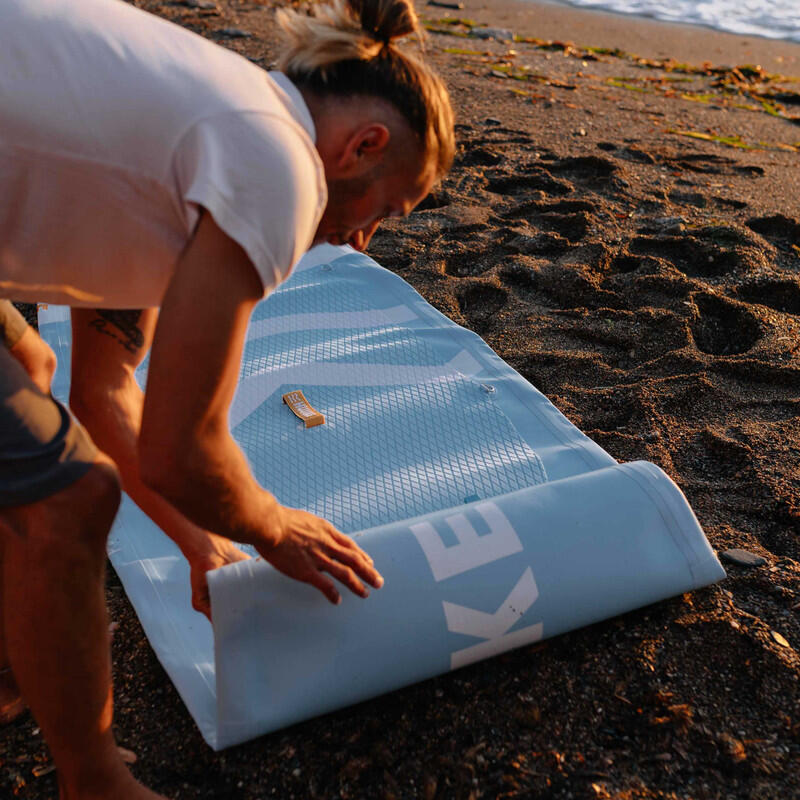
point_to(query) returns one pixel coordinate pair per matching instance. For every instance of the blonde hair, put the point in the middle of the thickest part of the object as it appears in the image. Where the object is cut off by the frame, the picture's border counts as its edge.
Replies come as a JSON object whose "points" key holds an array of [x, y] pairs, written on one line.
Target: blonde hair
{"points": [[348, 48]]}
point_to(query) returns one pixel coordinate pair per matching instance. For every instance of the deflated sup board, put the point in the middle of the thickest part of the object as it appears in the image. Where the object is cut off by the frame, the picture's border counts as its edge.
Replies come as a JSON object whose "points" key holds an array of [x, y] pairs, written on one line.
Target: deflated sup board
{"points": [[495, 522]]}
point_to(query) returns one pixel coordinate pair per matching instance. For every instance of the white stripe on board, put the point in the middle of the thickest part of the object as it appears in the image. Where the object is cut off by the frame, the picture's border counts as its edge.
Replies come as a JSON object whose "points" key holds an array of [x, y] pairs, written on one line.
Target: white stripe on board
{"points": [[334, 320], [253, 391]]}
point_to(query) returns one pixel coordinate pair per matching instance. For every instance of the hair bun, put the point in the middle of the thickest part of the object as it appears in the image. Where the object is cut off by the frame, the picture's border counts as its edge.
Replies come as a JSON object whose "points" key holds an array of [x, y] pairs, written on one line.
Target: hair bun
{"points": [[345, 48], [385, 20]]}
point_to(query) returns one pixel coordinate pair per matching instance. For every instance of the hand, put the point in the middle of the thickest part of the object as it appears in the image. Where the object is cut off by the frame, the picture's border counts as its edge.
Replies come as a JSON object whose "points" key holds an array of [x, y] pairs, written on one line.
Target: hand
{"points": [[221, 552], [37, 358], [309, 546]]}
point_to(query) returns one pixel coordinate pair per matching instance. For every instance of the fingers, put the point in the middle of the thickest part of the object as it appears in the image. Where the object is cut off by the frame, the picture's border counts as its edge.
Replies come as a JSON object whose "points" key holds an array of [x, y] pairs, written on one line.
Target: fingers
{"points": [[351, 554], [359, 562], [310, 545], [325, 585], [345, 541], [201, 597], [201, 601], [344, 575]]}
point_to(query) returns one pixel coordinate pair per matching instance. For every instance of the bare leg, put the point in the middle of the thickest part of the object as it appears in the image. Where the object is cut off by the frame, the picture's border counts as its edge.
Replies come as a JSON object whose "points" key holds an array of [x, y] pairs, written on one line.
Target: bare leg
{"points": [[57, 631]]}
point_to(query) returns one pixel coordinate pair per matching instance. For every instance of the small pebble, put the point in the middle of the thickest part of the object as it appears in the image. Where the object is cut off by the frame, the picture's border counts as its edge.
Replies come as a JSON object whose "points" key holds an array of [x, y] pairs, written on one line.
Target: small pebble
{"points": [[40, 770], [669, 222], [234, 33], [501, 34], [779, 639], [128, 756], [743, 558]]}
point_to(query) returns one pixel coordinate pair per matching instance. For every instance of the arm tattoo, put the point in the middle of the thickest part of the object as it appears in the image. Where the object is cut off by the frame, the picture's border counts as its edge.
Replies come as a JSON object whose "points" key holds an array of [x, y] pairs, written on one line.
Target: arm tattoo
{"points": [[121, 326]]}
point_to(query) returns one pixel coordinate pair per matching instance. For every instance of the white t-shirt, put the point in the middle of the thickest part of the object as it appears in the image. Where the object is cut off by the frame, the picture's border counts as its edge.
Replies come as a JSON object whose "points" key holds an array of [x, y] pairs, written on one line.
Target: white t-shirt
{"points": [[115, 128]]}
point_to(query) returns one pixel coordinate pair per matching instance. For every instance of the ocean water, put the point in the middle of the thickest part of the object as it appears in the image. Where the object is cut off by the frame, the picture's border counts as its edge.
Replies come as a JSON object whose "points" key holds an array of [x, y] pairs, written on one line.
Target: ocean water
{"points": [[774, 19]]}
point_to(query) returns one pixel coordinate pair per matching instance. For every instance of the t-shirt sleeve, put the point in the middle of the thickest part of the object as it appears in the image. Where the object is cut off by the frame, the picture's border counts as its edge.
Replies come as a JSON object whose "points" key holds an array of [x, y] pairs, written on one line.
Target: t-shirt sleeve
{"points": [[260, 178]]}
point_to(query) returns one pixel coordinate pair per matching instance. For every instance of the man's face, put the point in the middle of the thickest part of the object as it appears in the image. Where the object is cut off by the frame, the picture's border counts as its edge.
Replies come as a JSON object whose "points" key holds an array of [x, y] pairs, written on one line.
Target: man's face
{"points": [[356, 206]]}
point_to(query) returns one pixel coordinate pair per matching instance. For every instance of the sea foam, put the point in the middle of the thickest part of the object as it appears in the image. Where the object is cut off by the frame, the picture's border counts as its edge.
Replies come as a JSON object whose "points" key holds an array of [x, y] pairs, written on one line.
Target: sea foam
{"points": [[774, 19]]}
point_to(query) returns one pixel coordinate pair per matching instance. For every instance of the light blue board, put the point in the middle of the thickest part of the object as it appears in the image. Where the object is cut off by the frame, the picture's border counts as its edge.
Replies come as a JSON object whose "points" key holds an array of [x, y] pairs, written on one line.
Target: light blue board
{"points": [[494, 521]]}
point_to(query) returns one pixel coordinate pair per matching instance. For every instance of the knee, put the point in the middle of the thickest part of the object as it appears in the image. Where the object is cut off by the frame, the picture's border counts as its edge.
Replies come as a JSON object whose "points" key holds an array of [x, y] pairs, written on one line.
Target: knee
{"points": [[95, 498], [80, 513], [67, 528]]}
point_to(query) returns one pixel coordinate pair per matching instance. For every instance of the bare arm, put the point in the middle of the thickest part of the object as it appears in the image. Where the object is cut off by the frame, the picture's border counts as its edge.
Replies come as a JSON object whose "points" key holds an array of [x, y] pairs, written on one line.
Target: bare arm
{"points": [[25, 344], [187, 453], [107, 347]]}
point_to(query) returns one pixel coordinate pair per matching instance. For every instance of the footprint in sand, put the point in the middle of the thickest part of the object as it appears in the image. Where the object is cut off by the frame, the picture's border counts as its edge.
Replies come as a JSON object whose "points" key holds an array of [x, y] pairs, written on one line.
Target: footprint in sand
{"points": [[438, 198], [704, 163], [710, 164], [585, 168], [772, 410], [571, 226], [478, 157], [683, 252], [625, 263], [479, 302], [698, 200], [558, 285], [592, 172], [713, 251], [538, 180], [468, 263], [611, 409], [781, 295], [778, 229], [527, 210], [712, 456], [541, 244], [572, 219], [723, 327]]}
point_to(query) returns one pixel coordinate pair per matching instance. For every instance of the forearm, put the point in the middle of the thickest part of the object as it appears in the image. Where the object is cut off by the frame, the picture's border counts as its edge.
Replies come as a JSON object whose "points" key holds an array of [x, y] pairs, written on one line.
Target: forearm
{"points": [[112, 415], [186, 452], [208, 478]]}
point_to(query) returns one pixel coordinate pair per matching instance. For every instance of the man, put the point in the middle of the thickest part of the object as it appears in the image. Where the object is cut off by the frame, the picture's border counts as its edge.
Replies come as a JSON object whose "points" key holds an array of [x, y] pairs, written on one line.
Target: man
{"points": [[144, 168]]}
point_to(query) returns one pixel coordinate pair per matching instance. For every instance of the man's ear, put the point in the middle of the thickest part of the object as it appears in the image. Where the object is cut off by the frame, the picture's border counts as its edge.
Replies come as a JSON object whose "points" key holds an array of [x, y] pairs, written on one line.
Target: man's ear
{"points": [[364, 148]]}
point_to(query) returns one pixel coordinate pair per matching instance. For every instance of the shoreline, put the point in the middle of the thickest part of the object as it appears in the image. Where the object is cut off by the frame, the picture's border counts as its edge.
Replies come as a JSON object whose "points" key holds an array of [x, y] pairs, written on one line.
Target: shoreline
{"points": [[643, 36], [709, 28]]}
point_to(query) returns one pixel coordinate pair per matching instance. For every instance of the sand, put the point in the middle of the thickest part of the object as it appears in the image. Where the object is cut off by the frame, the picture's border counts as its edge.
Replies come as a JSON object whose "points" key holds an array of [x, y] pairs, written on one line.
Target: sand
{"points": [[648, 281]]}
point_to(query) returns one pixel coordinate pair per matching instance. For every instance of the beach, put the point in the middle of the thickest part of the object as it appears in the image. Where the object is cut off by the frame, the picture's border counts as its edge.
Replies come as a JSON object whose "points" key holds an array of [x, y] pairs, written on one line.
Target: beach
{"points": [[622, 226]]}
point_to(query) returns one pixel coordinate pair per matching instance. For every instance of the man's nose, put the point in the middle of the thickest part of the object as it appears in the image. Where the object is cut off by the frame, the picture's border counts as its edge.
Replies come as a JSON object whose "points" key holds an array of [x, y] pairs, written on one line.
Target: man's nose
{"points": [[361, 238]]}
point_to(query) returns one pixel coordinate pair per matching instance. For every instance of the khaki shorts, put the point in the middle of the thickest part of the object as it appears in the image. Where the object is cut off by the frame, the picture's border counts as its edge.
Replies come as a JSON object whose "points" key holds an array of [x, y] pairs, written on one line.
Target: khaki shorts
{"points": [[42, 448]]}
